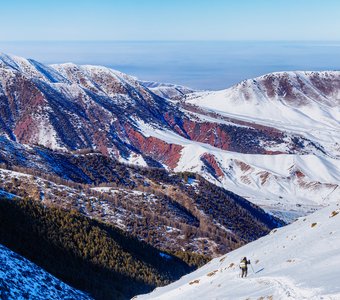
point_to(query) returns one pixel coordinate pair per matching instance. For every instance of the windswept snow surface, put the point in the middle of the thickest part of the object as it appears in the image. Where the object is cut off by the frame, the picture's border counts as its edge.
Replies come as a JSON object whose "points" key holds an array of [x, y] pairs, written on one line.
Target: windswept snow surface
{"points": [[273, 181], [290, 101], [21, 279], [298, 261]]}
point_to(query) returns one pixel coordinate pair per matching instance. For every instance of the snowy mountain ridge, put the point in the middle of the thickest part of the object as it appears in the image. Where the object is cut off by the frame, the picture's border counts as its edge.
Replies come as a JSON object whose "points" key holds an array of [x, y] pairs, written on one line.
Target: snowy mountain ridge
{"points": [[298, 261], [266, 138], [300, 102]]}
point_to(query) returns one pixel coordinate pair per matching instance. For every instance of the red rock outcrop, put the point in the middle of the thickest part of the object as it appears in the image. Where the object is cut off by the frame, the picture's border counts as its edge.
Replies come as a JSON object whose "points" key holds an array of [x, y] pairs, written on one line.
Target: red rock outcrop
{"points": [[168, 154], [25, 130], [210, 161]]}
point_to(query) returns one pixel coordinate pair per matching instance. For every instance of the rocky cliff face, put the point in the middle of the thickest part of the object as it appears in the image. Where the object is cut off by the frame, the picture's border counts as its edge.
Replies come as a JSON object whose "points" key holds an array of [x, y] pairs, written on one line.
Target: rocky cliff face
{"points": [[75, 107]]}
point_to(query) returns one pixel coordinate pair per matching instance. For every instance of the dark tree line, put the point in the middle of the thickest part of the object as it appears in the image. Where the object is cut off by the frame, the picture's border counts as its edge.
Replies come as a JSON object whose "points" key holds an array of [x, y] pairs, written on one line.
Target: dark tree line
{"points": [[87, 254]]}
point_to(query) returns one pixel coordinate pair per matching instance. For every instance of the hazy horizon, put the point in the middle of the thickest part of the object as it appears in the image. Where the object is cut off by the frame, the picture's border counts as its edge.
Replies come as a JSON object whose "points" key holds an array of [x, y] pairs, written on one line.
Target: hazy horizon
{"points": [[198, 64]]}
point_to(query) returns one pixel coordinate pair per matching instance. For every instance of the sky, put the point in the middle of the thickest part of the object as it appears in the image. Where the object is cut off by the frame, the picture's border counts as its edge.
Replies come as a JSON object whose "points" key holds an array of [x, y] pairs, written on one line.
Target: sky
{"points": [[159, 20], [204, 44]]}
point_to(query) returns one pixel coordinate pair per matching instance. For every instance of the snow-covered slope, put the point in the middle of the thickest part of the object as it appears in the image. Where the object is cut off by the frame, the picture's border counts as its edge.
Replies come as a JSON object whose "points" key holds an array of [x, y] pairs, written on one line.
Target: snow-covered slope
{"points": [[21, 279], [299, 261], [307, 103], [287, 185]]}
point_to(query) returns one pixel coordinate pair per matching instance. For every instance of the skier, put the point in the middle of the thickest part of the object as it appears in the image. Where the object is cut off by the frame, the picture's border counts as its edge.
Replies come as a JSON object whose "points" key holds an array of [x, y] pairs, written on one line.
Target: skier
{"points": [[244, 266]]}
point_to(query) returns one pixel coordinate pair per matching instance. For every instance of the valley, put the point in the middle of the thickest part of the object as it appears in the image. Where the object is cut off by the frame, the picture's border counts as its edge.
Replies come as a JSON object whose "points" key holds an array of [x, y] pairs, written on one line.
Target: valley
{"points": [[158, 168]]}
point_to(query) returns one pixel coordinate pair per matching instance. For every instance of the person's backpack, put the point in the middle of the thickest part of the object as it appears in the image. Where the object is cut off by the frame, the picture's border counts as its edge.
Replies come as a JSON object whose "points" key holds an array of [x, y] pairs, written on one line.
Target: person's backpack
{"points": [[243, 264]]}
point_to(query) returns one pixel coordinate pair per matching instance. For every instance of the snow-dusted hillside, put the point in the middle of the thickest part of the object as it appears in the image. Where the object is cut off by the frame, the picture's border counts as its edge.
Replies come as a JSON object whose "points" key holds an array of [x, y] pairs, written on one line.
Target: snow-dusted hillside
{"points": [[187, 211], [274, 140], [21, 279], [299, 261]]}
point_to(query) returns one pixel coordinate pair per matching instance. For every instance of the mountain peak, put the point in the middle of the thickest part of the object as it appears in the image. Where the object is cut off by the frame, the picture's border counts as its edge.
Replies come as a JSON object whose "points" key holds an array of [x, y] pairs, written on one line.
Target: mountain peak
{"points": [[296, 88], [14, 62]]}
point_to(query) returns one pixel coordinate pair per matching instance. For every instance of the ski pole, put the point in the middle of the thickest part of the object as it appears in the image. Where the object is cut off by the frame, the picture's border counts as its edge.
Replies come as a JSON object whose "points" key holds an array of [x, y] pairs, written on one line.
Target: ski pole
{"points": [[252, 268]]}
